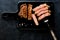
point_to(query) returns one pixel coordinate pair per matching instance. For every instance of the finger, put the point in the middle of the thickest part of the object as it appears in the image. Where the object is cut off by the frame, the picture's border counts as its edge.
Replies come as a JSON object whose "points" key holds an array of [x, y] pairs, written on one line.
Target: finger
{"points": [[43, 16], [47, 14], [40, 6], [35, 19], [42, 12], [42, 9]]}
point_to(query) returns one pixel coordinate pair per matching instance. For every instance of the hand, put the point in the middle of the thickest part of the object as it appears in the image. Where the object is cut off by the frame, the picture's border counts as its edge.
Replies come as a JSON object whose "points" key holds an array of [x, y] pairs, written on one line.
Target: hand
{"points": [[42, 11]]}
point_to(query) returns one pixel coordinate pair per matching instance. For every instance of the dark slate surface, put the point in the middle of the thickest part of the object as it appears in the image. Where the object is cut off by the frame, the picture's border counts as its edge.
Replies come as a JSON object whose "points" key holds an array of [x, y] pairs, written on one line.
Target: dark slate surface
{"points": [[8, 30]]}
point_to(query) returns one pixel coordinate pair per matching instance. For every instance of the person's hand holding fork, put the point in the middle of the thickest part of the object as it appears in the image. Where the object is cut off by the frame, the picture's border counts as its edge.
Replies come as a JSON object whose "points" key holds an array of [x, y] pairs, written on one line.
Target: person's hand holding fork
{"points": [[41, 12]]}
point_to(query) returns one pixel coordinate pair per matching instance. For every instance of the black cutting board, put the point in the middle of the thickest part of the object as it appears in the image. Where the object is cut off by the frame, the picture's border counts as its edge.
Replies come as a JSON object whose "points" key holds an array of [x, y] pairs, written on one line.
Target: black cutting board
{"points": [[30, 25]]}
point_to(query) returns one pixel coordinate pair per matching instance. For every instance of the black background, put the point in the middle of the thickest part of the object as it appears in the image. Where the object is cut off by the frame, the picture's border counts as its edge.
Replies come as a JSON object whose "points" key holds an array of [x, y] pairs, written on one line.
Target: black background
{"points": [[8, 29]]}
